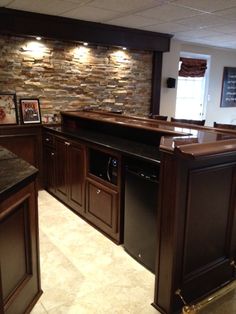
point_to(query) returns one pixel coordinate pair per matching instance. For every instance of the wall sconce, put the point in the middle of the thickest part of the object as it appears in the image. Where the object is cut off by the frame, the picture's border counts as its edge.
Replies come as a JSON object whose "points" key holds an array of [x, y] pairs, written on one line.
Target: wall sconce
{"points": [[35, 49]]}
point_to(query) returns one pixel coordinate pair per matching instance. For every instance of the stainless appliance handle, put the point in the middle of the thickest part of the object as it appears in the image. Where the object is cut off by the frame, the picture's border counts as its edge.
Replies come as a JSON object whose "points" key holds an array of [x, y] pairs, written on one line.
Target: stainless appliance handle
{"points": [[108, 169]]}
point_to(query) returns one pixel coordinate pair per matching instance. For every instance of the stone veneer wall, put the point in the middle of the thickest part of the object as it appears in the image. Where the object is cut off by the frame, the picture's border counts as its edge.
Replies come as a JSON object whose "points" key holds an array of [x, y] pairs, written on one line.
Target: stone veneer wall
{"points": [[65, 76]]}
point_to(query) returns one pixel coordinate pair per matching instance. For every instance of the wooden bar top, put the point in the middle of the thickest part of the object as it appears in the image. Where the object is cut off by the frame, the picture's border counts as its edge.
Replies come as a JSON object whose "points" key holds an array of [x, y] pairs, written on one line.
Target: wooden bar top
{"points": [[188, 141]]}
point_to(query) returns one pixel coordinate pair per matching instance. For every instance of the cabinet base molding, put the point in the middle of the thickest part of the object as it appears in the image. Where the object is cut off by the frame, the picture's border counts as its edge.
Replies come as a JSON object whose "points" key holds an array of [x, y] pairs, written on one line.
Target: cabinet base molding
{"points": [[34, 301]]}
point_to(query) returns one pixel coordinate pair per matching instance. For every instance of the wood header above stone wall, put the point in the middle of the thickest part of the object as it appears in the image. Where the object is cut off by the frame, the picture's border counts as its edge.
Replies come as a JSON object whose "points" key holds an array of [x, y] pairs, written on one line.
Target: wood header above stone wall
{"points": [[16, 22]]}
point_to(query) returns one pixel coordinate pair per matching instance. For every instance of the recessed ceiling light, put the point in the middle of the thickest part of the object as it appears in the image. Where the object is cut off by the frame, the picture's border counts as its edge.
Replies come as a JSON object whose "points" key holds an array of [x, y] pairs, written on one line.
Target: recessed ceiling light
{"points": [[85, 44], [124, 48], [38, 38]]}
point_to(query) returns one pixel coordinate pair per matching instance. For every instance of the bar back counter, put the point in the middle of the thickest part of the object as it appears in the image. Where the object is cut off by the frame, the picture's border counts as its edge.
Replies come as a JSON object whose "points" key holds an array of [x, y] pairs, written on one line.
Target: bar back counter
{"points": [[196, 221]]}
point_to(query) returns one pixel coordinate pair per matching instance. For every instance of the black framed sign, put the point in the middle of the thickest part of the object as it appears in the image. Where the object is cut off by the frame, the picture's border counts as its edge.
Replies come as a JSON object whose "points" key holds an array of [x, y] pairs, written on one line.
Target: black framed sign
{"points": [[228, 93], [30, 110]]}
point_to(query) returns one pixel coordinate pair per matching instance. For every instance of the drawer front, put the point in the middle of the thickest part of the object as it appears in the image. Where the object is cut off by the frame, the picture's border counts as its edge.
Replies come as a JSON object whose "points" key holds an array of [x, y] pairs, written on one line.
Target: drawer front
{"points": [[102, 207], [48, 139]]}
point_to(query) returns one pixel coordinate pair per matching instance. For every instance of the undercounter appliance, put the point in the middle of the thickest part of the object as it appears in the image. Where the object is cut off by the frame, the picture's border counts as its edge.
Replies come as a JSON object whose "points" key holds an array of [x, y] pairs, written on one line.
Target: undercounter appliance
{"points": [[140, 211]]}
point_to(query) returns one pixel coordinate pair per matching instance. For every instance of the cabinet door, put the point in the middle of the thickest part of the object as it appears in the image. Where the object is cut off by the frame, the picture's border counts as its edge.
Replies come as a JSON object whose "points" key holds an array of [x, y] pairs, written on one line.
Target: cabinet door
{"points": [[102, 208], [49, 172], [61, 168], [20, 277], [76, 177]]}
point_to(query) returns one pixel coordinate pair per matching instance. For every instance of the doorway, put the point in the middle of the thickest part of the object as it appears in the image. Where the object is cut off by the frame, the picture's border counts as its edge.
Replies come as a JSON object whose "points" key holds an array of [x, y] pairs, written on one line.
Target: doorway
{"points": [[191, 99]]}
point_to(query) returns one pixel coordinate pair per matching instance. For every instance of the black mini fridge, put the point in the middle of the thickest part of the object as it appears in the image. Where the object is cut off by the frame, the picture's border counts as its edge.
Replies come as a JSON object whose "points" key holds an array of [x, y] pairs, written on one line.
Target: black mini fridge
{"points": [[140, 224]]}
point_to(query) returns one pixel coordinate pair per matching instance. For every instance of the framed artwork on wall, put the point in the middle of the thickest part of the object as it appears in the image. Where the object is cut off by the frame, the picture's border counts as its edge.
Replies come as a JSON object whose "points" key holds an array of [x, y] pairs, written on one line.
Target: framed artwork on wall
{"points": [[228, 93], [8, 109], [30, 111]]}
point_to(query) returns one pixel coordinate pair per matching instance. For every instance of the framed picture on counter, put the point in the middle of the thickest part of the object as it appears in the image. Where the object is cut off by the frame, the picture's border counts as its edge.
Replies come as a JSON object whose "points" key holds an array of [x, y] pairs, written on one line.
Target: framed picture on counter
{"points": [[30, 111], [228, 93], [8, 109]]}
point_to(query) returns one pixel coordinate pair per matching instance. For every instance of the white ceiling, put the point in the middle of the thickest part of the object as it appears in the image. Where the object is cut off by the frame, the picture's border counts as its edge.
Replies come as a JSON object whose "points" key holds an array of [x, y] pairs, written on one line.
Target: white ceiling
{"points": [[208, 22]]}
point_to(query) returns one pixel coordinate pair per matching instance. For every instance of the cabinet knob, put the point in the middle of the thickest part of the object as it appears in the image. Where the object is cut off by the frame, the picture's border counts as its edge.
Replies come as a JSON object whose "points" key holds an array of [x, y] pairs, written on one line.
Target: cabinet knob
{"points": [[52, 154], [67, 143], [47, 139], [98, 191]]}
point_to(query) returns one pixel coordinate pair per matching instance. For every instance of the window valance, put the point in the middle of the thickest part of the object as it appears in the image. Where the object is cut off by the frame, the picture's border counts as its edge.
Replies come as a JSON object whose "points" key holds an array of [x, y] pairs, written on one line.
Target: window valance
{"points": [[192, 67]]}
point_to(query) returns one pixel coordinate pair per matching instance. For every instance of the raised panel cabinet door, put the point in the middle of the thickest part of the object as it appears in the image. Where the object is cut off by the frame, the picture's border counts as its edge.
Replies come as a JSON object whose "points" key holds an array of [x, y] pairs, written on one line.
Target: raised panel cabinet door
{"points": [[49, 169], [19, 255], [61, 168], [76, 175], [102, 208]]}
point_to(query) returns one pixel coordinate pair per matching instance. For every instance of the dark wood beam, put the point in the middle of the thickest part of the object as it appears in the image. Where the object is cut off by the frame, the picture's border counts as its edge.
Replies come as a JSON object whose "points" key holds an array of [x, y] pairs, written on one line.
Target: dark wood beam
{"points": [[14, 22], [156, 82]]}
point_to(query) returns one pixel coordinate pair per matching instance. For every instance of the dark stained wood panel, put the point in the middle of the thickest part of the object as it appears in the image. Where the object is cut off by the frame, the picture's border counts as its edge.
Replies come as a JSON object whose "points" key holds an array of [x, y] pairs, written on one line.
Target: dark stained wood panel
{"points": [[207, 217], [61, 168], [19, 250], [23, 146], [76, 176], [15, 255], [156, 82], [26, 143]]}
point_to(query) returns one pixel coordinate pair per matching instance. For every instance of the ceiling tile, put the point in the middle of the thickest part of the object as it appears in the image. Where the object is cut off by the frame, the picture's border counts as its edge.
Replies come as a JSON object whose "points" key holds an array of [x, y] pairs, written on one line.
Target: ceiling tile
{"points": [[228, 13], [91, 14], [53, 7], [225, 29], [207, 5], [169, 12], [198, 33], [203, 20], [125, 5], [222, 38], [132, 21], [170, 28]]}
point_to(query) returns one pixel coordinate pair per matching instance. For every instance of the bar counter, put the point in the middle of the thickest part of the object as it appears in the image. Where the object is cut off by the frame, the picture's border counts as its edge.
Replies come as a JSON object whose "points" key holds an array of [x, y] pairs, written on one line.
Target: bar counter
{"points": [[19, 259], [196, 212]]}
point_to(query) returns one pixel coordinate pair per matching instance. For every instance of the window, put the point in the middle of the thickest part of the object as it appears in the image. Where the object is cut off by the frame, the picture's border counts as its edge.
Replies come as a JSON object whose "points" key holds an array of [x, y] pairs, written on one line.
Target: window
{"points": [[191, 88]]}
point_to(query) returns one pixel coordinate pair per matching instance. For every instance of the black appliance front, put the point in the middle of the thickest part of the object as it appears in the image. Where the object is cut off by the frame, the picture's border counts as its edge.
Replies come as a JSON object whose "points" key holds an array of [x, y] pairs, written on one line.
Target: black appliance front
{"points": [[140, 226], [103, 165]]}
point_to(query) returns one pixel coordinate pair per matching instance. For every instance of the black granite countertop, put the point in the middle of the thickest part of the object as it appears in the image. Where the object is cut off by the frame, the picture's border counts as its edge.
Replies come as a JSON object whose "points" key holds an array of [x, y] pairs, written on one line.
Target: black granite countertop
{"points": [[14, 172], [126, 147]]}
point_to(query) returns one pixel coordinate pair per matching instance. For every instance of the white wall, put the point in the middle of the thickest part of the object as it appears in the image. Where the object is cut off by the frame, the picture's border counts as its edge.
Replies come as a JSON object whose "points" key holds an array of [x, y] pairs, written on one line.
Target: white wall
{"points": [[220, 58], [169, 69]]}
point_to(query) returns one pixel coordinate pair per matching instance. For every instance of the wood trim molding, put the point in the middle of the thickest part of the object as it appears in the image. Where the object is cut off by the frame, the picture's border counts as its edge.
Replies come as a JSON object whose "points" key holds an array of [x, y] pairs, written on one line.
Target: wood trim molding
{"points": [[15, 22], [156, 82]]}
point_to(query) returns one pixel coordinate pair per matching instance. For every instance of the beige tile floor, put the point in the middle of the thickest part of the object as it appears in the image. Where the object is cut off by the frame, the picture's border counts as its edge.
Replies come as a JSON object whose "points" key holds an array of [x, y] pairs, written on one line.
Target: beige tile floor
{"points": [[83, 272]]}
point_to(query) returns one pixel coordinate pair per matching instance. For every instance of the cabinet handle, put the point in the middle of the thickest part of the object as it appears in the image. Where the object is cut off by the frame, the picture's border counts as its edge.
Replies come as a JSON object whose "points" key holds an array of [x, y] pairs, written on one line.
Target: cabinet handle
{"points": [[67, 143], [52, 154], [98, 191]]}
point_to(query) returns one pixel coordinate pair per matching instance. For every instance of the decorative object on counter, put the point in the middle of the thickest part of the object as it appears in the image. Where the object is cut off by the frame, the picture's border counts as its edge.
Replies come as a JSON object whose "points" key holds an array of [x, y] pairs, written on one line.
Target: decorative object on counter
{"points": [[225, 126], [51, 118], [190, 121], [8, 109], [228, 93], [30, 111], [158, 117]]}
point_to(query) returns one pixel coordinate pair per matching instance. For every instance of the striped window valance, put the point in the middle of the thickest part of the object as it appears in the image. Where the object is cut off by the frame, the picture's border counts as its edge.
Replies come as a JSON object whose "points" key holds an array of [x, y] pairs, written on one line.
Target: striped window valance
{"points": [[192, 67]]}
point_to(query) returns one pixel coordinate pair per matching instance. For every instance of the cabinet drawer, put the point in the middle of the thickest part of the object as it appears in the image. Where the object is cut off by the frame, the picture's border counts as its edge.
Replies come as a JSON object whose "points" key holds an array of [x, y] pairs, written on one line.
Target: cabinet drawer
{"points": [[48, 139], [102, 207]]}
